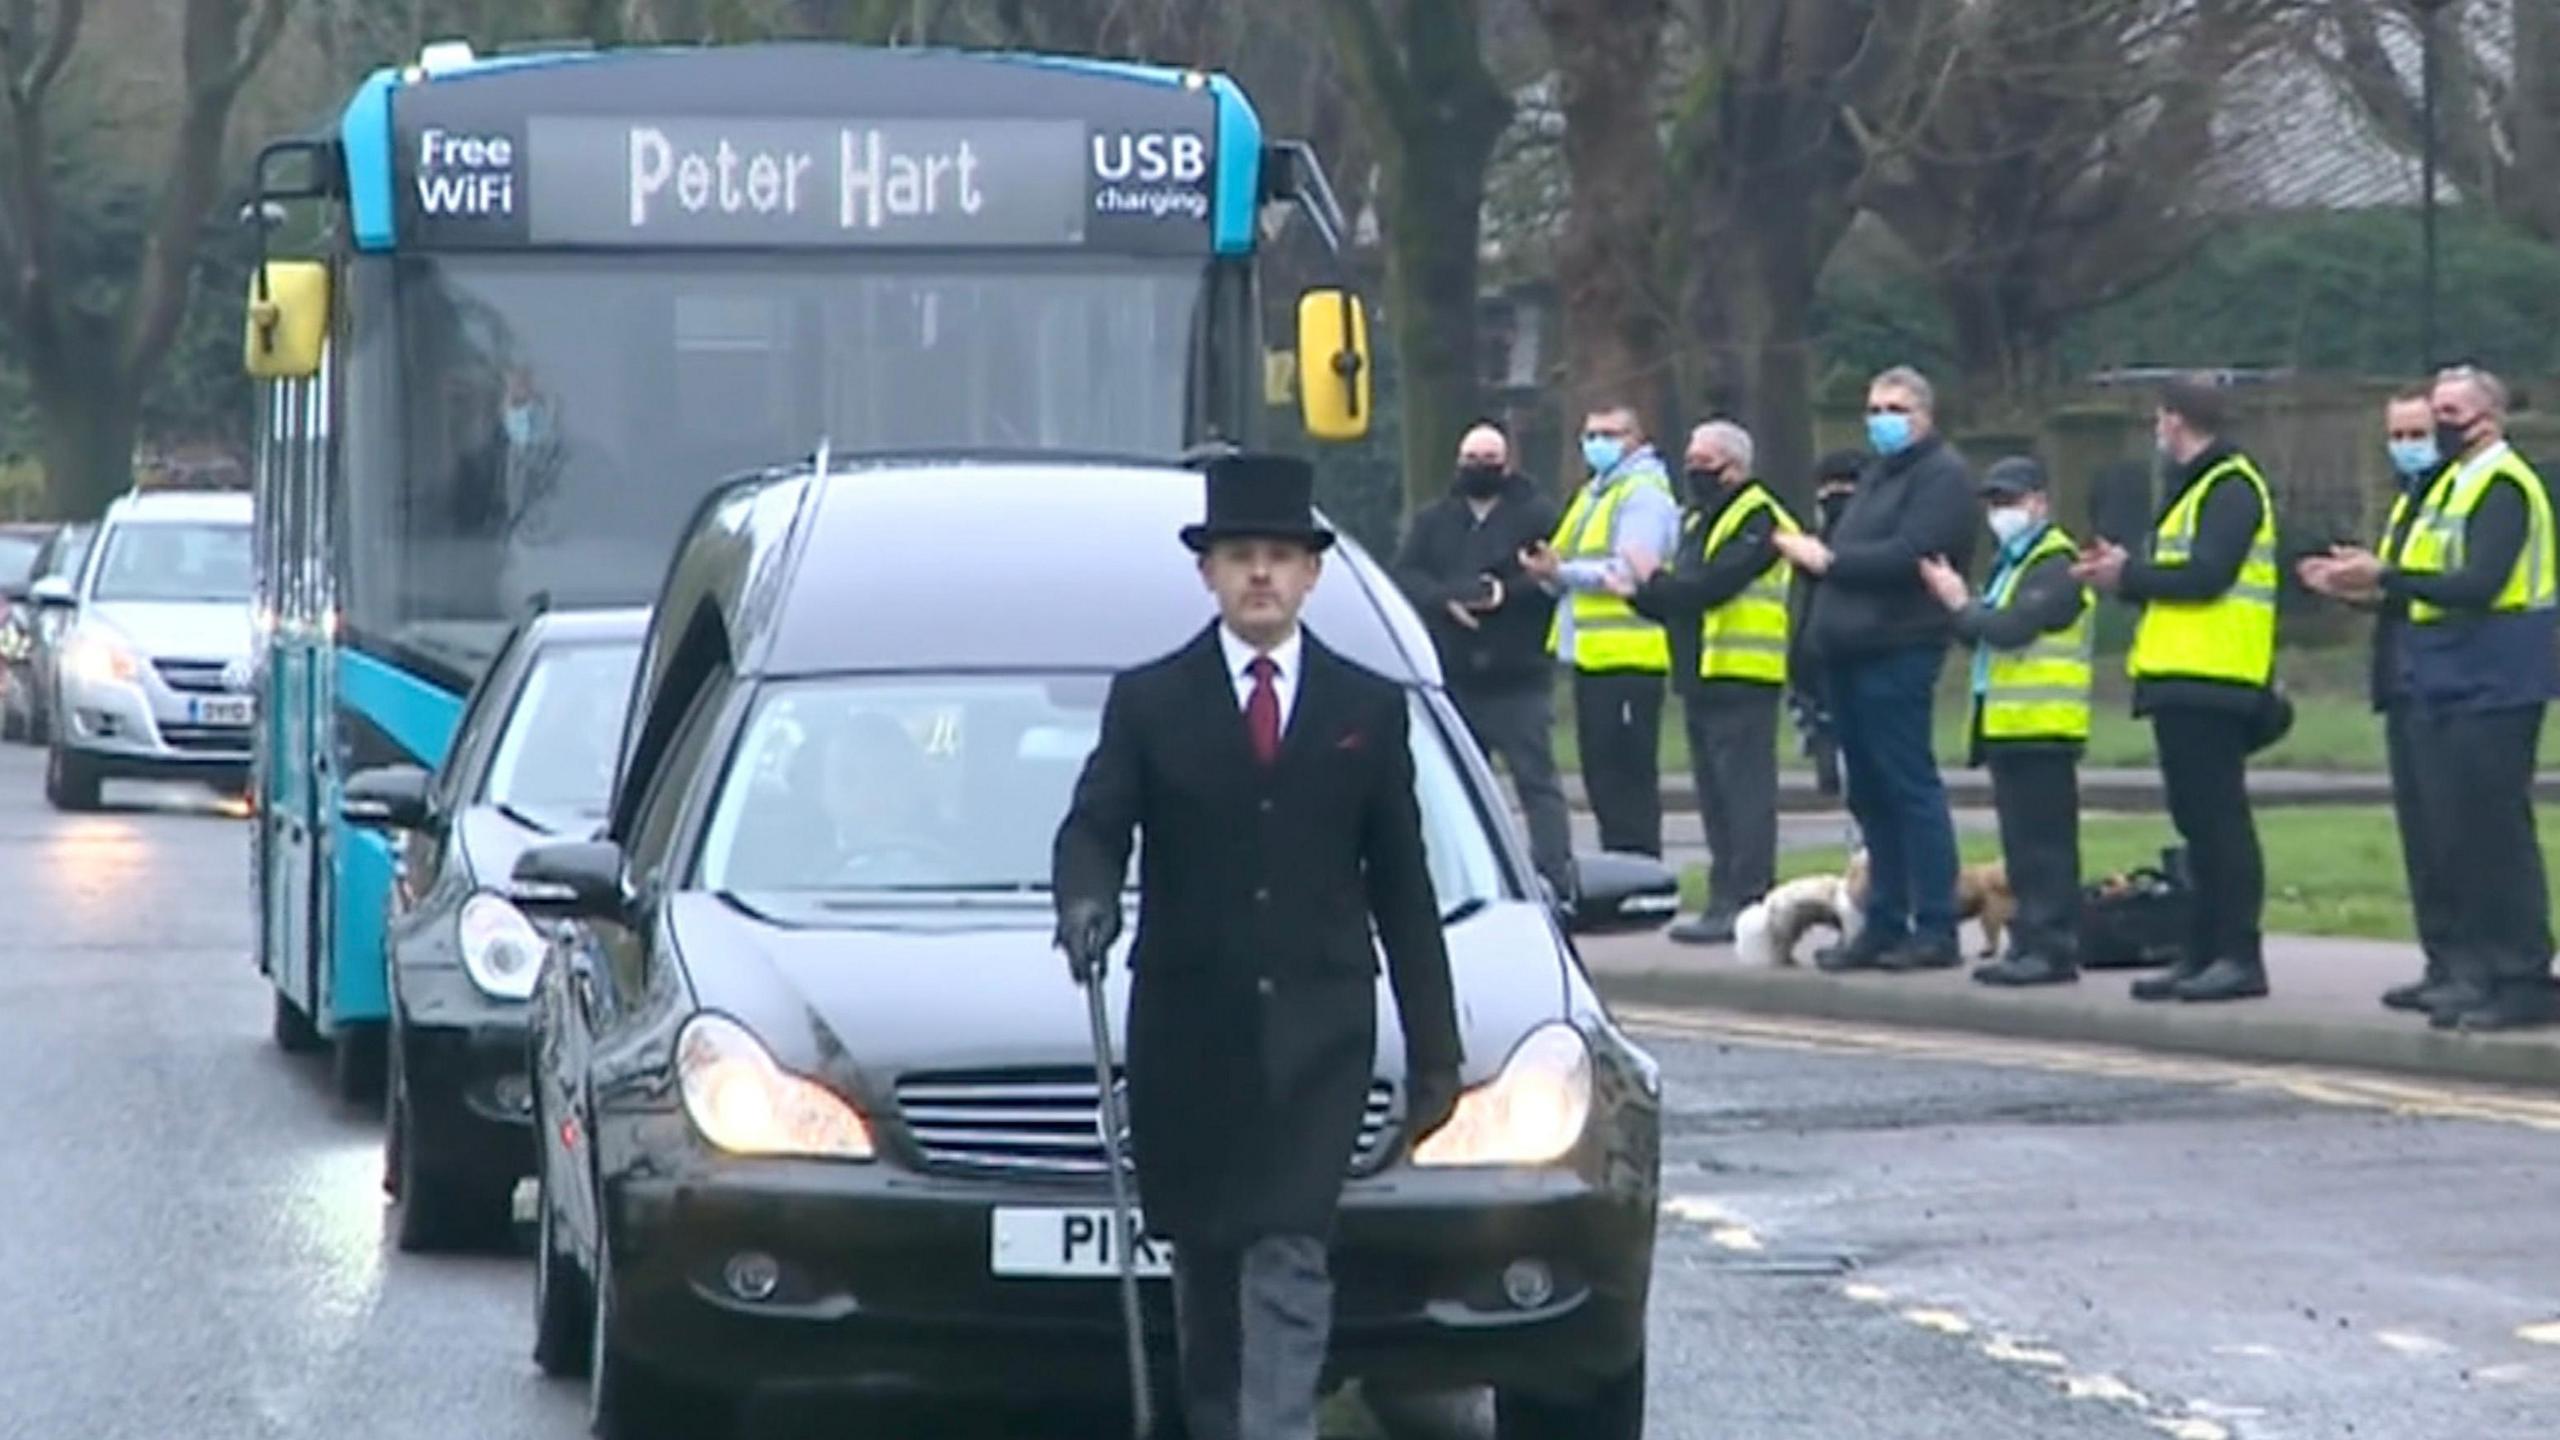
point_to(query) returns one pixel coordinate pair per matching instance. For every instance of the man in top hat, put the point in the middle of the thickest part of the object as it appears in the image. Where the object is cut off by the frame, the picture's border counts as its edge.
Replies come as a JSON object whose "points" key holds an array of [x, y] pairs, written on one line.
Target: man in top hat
{"points": [[1276, 793]]}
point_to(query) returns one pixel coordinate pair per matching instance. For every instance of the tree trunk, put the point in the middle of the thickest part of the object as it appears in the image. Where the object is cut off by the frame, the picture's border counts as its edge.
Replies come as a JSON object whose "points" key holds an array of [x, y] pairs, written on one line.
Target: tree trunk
{"points": [[89, 429], [1608, 54], [1768, 278], [1434, 203]]}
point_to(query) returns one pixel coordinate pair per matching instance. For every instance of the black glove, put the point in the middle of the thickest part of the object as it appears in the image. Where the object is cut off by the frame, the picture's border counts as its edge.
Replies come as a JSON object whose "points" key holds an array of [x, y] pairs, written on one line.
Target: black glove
{"points": [[1086, 929], [1431, 1098]]}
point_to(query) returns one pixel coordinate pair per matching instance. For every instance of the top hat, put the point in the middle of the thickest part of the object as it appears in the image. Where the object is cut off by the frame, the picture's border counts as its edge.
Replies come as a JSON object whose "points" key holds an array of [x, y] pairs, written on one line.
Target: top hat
{"points": [[1259, 497], [2017, 475]]}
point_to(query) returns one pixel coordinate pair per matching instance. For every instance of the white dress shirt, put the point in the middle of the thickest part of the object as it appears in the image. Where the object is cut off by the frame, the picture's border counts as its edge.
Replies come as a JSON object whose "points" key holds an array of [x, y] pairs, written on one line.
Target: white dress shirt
{"points": [[1240, 654]]}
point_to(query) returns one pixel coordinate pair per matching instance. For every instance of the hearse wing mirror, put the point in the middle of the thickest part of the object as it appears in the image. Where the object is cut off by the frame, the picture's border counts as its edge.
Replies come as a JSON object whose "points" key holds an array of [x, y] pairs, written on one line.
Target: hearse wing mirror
{"points": [[1621, 894]]}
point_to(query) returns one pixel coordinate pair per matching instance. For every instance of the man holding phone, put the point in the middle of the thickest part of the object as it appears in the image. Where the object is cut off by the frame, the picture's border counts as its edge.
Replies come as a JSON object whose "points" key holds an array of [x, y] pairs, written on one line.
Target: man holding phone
{"points": [[1460, 566]]}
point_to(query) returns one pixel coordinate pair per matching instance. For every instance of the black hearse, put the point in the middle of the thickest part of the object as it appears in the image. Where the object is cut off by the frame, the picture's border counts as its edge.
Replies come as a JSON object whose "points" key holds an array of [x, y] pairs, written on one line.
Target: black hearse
{"points": [[815, 1099]]}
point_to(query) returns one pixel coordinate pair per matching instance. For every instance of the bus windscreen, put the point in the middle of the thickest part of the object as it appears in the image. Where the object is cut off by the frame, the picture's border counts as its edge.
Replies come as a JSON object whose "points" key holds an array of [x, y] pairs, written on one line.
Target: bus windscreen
{"points": [[561, 418]]}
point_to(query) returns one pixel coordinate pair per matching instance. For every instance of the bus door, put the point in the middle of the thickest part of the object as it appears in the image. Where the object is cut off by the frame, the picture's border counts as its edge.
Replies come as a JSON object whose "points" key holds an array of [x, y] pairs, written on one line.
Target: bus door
{"points": [[290, 474]]}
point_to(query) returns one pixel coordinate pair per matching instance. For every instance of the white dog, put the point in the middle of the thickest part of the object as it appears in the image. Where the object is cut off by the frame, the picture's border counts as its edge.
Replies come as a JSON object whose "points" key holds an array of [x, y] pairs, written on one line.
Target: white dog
{"points": [[1768, 929]]}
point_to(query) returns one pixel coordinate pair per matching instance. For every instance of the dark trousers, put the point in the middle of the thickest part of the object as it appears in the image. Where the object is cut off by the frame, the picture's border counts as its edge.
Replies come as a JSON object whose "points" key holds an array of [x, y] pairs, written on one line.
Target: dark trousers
{"points": [[1517, 726], [2476, 785], [2036, 792], [1881, 705], [2431, 899], [1252, 1324], [1733, 754], [2204, 767], [1617, 721]]}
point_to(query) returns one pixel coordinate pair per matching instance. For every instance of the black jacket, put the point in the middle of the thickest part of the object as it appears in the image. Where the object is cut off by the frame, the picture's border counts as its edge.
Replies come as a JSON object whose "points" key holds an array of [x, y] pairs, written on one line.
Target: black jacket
{"points": [[1252, 1018], [2474, 659], [1914, 504], [1446, 554], [1681, 593], [2225, 529], [2045, 599]]}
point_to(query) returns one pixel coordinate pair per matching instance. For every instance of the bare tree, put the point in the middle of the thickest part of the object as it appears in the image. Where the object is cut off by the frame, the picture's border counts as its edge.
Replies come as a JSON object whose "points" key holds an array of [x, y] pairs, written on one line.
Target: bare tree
{"points": [[1608, 64], [2498, 76], [1763, 165], [2049, 157], [88, 357], [1416, 72]]}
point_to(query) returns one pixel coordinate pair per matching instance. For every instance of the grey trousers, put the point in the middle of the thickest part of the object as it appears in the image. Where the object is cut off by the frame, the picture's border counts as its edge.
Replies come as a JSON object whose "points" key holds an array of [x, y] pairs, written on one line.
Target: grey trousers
{"points": [[1733, 757], [1518, 728], [1253, 1325]]}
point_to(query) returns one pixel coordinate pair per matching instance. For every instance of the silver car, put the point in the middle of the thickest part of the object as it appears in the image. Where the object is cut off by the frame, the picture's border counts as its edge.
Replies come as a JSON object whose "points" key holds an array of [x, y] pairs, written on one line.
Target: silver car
{"points": [[152, 675]]}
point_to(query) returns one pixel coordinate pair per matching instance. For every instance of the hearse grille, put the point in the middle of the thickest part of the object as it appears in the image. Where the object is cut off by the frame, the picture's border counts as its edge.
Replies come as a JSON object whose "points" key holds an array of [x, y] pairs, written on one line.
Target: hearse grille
{"points": [[1046, 1122], [198, 677]]}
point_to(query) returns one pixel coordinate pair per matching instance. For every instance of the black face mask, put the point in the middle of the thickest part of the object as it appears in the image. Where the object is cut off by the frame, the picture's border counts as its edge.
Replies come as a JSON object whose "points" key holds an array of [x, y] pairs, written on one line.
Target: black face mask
{"points": [[2452, 439], [1703, 484], [1480, 481]]}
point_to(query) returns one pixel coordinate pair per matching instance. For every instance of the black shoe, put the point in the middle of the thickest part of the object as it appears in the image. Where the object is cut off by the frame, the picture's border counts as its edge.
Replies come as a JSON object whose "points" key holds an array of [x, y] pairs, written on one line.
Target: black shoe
{"points": [[1867, 952], [1705, 930], [2015, 970], [2164, 986], [2225, 980], [2418, 995], [1922, 953], [2449, 1002]]}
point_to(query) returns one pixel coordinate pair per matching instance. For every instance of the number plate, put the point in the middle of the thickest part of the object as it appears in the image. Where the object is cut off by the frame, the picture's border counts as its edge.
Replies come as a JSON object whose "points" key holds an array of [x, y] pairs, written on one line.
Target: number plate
{"points": [[219, 710], [1068, 1245]]}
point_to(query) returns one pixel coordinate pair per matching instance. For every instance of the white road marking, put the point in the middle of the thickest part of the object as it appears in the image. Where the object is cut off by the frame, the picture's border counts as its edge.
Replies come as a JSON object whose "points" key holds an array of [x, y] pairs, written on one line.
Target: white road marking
{"points": [[2341, 1088], [2191, 1427], [2409, 1343], [2546, 1333], [2248, 1352], [2104, 1387], [2013, 1352], [1736, 1237], [1945, 1322], [1866, 1294]]}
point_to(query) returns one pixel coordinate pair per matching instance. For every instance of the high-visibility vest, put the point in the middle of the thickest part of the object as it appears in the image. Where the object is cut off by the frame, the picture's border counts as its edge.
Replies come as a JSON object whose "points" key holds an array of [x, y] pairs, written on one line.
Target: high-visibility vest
{"points": [[1745, 638], [2232, 636], [1608, 634], [2437, 538], [2040, 691]]}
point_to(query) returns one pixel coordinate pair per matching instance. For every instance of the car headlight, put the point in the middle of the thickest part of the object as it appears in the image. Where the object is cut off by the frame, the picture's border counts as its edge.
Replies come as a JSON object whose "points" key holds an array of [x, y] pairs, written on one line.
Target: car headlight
{"points": [[99, 656], [501, 950], [744, 1102], [1530, 1114]]}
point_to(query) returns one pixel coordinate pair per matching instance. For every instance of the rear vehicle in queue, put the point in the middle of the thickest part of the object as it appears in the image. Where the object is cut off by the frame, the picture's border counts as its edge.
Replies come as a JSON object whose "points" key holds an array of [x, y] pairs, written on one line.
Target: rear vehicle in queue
{"points": [[153, 674], [26, 553], [531, 761], [814, 1095]]}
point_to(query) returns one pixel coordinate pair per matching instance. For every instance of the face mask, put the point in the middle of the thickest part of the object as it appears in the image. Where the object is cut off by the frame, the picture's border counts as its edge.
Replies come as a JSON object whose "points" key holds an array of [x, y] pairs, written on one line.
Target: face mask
{"points": [[2452, 439], [1832, 505], [2008, 522], [1603, 452], [1703, 483], [1480, 481], [2415, 457], [1889, 434], [519, 424]]}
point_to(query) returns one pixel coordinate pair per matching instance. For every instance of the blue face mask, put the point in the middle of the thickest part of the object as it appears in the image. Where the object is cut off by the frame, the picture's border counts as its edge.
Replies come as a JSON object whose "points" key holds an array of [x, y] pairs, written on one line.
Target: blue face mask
{"points": [[1889, 434], [2413, 458], [1603, 452]]}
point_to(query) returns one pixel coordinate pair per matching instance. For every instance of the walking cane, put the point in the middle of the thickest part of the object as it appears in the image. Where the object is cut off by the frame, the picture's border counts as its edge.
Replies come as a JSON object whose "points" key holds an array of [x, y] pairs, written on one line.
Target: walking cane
{"points": [[1123, 1215]]}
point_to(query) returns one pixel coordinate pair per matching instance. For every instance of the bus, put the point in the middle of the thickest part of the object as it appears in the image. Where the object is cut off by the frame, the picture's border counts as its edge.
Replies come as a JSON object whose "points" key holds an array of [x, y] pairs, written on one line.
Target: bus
{"points": [[514, 315]]}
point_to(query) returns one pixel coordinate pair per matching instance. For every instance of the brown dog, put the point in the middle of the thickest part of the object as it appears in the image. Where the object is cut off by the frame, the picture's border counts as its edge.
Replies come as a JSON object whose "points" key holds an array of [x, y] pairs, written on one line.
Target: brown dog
{"points": [[1982, 895]]}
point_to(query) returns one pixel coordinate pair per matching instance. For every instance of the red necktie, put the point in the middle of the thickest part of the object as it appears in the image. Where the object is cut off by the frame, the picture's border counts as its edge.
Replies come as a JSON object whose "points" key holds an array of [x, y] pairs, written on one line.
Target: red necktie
{"points": [[1262, 710]]}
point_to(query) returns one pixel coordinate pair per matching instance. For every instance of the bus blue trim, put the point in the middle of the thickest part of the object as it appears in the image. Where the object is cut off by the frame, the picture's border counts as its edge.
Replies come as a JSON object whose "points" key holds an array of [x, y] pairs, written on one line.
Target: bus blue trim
{"points": [[418, 714], [1239, 194], [359, 989], [364, 134]]}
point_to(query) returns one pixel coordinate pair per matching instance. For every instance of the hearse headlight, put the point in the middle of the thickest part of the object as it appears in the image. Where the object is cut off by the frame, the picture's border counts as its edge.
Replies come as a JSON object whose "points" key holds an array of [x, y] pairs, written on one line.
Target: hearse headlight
{"points": [[501, 950], [100, 656], [744, 1102], [1530, 1114]]}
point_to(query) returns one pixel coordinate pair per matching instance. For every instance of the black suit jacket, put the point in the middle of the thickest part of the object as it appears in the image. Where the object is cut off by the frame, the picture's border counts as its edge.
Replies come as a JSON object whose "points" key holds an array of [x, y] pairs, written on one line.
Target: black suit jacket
{"points": [[1252, 1017]]}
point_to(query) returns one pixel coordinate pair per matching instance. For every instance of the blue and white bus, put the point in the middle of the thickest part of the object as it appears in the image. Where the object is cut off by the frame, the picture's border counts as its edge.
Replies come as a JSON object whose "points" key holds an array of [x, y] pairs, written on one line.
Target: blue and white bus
{"points": [[538, 303]]}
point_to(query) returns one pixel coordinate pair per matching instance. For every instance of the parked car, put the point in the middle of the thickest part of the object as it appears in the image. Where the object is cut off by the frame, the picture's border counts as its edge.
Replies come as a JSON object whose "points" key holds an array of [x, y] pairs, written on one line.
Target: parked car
{"points": [[531, 760], [23, 548], [813, 1095], [151, 678]]}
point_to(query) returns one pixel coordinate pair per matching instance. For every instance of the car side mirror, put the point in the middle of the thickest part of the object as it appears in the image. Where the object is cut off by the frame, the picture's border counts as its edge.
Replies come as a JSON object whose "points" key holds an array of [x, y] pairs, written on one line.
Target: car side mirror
{"points": [[1621, 894], [570, 879], [390, 795], [52, 591]]}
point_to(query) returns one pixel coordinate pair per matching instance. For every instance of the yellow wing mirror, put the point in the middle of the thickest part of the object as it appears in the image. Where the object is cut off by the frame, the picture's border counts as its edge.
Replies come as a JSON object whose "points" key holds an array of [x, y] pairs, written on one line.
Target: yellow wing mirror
{"points": [[288, 319], [1333, 365]]}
